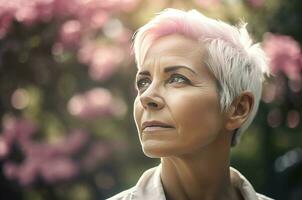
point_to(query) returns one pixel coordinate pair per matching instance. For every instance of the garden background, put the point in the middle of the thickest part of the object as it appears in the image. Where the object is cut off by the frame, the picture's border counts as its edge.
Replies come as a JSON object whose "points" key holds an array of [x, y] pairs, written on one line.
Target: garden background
{"points": [[67, 87]]}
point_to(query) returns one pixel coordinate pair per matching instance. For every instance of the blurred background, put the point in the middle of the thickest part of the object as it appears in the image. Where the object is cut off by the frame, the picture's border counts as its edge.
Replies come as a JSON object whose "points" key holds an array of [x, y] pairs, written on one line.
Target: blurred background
{"points": [[67, 87]]}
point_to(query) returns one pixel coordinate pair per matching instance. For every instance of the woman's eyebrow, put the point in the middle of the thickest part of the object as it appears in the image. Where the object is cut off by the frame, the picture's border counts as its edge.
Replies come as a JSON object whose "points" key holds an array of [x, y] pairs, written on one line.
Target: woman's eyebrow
{"points": [[146, 73], [168, 69], [174, 68]]}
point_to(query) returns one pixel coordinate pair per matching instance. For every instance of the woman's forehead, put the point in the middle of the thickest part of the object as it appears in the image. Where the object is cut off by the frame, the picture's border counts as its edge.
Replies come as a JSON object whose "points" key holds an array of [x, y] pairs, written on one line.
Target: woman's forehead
{"points": [[171, 48], [173, 44]]}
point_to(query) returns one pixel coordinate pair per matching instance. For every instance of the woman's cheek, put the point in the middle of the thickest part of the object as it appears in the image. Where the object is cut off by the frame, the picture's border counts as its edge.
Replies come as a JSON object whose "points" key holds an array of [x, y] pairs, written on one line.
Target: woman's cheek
{"points": [[137, 112], [194, 112]]}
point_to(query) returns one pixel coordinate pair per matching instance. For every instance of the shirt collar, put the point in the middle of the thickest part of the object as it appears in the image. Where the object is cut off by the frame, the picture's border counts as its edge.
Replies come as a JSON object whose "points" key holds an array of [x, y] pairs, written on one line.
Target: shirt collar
{"points": [[149, 186], [241, 183]]}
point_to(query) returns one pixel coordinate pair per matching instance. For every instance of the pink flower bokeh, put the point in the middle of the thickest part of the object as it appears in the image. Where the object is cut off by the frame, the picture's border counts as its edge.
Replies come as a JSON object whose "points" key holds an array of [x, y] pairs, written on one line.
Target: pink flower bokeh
{"points": [[207, 4], [97, 102], [41, 160], [80, 22], [284, 54], [256, 3], [35, 11]]}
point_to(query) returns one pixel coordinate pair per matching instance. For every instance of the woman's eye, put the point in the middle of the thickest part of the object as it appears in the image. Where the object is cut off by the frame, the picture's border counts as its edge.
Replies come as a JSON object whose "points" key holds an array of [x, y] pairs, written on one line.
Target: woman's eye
{"points": [[143, 83], [176, 78]]}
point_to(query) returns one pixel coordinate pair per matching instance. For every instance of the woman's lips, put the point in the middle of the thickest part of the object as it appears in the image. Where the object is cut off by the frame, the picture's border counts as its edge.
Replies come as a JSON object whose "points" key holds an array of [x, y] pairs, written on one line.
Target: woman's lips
{"points": [[156, 128]]}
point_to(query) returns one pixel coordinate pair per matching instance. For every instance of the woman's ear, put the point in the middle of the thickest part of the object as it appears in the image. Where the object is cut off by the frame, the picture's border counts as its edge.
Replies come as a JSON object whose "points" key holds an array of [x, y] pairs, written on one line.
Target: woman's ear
{"points": [[239, 110]]}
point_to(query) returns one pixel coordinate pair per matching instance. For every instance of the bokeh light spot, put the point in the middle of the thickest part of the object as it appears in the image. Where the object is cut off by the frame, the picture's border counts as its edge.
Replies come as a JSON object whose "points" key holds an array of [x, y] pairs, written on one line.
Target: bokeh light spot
{"points": [[20, 99], [274, 118], [293, 119]]}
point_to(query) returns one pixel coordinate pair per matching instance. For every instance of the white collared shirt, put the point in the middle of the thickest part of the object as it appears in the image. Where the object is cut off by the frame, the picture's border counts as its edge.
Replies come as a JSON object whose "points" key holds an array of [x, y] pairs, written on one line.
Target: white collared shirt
{"points": [[149, 187]]}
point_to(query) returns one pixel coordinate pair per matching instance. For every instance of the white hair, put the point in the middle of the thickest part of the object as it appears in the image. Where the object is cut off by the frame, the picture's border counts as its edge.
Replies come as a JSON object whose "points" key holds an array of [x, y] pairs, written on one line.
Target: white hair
{"points": [[237, 64]]}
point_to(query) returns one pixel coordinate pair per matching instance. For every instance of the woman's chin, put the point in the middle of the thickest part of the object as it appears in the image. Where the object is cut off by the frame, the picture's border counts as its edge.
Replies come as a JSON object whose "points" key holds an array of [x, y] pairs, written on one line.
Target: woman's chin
{"points": [[158, 151], [151, 154]]}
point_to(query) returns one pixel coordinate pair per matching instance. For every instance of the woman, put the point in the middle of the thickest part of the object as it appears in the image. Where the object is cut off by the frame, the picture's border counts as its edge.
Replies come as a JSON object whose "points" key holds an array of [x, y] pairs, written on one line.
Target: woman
{"points": [[199, 83]]}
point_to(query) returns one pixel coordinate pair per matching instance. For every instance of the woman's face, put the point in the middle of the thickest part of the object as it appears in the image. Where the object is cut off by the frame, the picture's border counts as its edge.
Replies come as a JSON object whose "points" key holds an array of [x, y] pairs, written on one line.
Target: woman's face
{"points": [[177, 108]]}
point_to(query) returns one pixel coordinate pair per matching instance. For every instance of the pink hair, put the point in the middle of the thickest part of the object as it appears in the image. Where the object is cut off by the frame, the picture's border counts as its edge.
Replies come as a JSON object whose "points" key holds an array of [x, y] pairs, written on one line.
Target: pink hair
{"points": [[191, 24]]}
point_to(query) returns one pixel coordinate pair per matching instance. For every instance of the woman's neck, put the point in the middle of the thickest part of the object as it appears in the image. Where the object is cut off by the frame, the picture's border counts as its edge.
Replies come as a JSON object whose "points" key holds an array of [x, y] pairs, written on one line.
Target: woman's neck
{"points": [[205, 176]]}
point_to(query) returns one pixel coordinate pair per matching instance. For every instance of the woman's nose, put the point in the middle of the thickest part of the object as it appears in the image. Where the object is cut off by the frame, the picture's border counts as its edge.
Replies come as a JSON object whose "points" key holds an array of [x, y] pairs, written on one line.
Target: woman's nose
{"points": [[150, 99]]}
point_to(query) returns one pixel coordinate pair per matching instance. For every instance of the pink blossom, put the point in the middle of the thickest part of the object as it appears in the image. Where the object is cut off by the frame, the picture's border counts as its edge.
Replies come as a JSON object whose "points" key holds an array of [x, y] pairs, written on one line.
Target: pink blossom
{"points": [[93, 12], [85, 20], [28, 171], [98, 19], [73, 143], [62, 8], [207, 4], [269, 92], [119, 107], [70, 33], [51, 162], [4, 148], [274, 118], [93, 103], [106, 4], [66, 146], [27, 14], [20, 99], [11, 170], [97, 154], [85, 52], [128, 5], [42, 151], [256, 3], [49, 167], [124, 37], [293, 118], [60, 169], [30, 12], [97, 102], [295, 85], [5, 23], [104, 62], [7, 10], [274, 90], [19, 130], [45, 10], [285, 55]]}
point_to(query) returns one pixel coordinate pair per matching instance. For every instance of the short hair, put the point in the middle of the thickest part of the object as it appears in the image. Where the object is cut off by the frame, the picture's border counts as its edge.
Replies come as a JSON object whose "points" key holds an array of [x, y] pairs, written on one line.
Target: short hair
{"points": [[236, 63]]}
